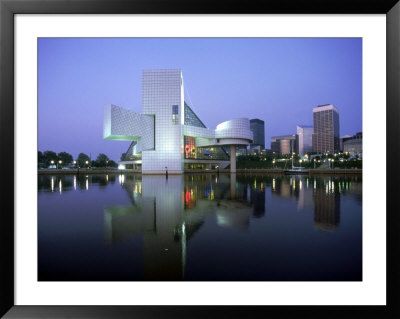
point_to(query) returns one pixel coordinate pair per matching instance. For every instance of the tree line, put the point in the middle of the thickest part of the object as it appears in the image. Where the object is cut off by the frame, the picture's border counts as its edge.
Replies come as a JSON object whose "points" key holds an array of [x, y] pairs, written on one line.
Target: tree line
{"points": [[64, 159], [341, 160]]}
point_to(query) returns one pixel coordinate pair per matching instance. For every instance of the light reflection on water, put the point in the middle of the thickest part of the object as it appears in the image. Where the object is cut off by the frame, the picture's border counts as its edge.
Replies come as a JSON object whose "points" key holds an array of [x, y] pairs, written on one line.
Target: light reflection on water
{"points": [[199, 227]]}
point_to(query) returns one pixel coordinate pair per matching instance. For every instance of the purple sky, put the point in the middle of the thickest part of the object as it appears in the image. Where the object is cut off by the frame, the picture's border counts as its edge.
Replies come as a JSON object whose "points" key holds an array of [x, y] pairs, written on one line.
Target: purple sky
{"points": [[276, 80]]}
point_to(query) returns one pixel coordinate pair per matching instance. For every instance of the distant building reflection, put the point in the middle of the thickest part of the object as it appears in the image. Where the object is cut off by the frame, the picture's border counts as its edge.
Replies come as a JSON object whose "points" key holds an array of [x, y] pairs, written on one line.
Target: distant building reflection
{"points": [[156, 219], [167, 213], [67, 182], [326, 205], [257, 197], [286, 186], [322, 193]]}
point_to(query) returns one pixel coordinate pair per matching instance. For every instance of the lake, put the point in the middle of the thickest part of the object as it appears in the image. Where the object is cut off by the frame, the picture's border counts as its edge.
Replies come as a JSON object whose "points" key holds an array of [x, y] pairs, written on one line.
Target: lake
{"points": [[208, 227]]}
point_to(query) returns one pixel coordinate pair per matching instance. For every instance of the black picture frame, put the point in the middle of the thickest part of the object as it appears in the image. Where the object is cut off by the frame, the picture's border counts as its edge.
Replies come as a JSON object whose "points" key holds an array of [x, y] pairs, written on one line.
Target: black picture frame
{"points": [[8, 8]]}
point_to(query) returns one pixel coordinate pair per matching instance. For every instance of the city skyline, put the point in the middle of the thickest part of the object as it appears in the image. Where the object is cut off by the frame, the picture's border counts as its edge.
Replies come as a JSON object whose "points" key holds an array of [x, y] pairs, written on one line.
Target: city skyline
{"points": [[278, 81]]}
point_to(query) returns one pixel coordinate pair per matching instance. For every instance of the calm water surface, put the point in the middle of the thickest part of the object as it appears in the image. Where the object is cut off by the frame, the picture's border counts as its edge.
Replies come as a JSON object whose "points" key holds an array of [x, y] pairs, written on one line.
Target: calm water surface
{"points": [[199, 227]]}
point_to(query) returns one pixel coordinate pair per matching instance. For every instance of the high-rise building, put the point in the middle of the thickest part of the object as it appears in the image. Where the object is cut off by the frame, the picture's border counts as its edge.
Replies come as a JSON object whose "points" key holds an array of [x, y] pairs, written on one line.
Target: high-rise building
{"points": [[285, 144], [326, 129], [169, 135], [258, 129], [304, 139]]}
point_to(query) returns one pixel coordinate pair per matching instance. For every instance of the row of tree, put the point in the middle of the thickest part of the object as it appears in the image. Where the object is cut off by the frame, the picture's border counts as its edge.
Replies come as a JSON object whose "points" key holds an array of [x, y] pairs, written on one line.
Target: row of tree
{"points": [[284, 161], [64, 159]]}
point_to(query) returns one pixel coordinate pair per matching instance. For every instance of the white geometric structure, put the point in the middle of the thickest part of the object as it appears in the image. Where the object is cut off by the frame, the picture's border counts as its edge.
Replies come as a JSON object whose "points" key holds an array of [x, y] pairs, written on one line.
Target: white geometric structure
{"points": [[118, 126], [168, 135]]}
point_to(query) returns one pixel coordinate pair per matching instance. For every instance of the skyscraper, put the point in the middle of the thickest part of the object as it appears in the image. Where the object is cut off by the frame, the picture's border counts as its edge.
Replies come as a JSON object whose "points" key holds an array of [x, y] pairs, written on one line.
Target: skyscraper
{"points": [[258, 129], [304, 139], [326, 129]]}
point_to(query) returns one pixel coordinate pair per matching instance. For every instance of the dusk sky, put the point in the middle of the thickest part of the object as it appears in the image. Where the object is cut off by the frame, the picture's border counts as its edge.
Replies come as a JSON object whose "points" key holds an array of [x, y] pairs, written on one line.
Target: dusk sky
{"points": [[278, 80]]}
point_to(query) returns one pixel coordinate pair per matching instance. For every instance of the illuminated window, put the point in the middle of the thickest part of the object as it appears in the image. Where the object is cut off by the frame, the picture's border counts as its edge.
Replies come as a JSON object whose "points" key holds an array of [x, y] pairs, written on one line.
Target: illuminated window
{"points": [[174, 114], [193, 152]]}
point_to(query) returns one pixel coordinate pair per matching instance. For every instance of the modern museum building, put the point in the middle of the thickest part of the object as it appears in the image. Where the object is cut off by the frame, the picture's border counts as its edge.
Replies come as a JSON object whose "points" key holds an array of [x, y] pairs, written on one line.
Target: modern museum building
{"points": [[168, 135]]}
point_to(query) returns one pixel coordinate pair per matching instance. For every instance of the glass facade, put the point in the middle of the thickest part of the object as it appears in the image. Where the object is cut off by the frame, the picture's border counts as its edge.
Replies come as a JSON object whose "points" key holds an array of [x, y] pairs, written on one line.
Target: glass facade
{"points": [[191, 118], [129, 154], [304, 139], [204, 153], [258, 129]]}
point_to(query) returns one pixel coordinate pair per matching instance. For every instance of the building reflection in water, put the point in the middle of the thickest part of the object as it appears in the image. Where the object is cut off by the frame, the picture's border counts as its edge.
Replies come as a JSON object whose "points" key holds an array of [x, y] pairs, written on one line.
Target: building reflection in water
{"points": [[221, 193], [322, 193], [168, 213], [66, 183], [326, 207], [257, 198]]}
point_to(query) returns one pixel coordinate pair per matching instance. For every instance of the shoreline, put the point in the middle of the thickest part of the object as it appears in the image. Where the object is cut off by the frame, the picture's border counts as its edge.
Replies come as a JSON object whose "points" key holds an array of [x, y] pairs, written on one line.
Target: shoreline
{"points": [[54, 171]]}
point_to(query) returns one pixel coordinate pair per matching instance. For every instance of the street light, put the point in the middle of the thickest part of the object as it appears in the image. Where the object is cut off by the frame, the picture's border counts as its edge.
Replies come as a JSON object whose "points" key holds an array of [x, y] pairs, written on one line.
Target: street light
{"points": [[60, 162], [273, 163], [86, 162]]}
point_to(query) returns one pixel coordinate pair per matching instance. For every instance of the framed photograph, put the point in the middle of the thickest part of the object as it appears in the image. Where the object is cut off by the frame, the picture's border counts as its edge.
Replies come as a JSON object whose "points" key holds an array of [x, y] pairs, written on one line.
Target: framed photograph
{"points": [[191, 160]]}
